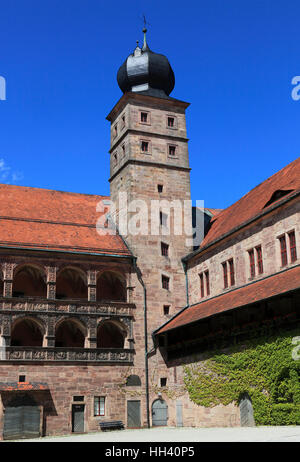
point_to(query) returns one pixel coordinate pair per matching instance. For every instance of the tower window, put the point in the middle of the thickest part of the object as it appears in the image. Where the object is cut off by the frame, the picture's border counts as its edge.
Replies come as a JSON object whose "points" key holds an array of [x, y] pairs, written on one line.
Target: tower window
{"points": [[164, 249], [123, 121], [172, 150], [163, 381], [165, 282], [144, 117], [171, 122], [293, 250], [166, 310], [145, 146], [123, 151], [163, 219], [115, 159], [22, 378], [115, 130], [160, 188]]}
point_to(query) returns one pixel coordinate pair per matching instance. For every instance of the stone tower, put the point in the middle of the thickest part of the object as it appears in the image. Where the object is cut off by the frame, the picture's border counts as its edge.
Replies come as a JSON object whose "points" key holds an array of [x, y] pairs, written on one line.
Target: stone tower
{"points": [[150, 163]]}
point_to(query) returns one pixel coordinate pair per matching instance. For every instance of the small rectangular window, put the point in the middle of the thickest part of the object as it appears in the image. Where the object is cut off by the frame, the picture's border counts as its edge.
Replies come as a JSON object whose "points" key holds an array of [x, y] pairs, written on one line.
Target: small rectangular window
{"points": [[252, 263], [163, 381], [99, 405], [160, 188], [115, 159], [231, 272], [225, 276], [283, 251], [207, 282], [22, 378], [145, 146], [171, 122], [165, 281], [201, 285], [166, 309], [144, 117], [115, 130], [123, 121], [260, 266], [164, 249], [172, 151], [123, 151], [293, 250]]}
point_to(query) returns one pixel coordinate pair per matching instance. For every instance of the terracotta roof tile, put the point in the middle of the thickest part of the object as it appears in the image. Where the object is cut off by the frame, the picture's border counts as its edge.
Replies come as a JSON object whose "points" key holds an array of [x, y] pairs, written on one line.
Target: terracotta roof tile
{"points": [[45, 219], [265, 288], [253, 202]]}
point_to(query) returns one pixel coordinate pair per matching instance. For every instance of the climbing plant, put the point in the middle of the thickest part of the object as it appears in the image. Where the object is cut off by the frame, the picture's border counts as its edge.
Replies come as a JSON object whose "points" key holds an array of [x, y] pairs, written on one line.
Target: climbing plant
{"points": [[262, 367]]}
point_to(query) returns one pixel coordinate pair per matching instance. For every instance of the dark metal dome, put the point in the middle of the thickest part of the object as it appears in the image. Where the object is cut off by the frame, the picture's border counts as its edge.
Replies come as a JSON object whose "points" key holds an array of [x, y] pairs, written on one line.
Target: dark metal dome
{"points": [[146, 72]]}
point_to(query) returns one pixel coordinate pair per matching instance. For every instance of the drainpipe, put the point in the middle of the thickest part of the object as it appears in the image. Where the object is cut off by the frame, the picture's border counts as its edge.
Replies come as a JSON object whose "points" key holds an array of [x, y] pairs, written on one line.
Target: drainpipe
{"points": [[139, 275]]}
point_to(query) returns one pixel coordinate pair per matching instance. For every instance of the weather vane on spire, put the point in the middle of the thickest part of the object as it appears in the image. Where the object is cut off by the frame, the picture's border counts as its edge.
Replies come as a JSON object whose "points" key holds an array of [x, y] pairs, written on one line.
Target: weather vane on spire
{"points": [[146, 23], [145, 30]]}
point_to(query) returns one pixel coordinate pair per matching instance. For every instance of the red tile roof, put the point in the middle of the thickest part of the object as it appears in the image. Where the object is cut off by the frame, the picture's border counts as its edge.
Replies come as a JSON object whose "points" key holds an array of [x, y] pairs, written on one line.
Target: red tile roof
{"points": [[22, 386], [277, 284], [213, 212], [253, 202], [44, 219]]}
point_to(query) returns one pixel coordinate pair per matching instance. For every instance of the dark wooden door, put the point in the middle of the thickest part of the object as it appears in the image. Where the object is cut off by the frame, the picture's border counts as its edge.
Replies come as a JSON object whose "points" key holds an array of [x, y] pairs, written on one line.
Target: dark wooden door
{"points": [[159, 413], [22, 419], [133, 414], [78, 418]]}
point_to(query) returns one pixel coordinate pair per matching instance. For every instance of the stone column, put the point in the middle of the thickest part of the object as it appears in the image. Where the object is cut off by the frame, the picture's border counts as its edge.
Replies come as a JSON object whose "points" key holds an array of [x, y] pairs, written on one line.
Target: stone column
{"points": [[92, 286], [8, 276], [51, 282]]}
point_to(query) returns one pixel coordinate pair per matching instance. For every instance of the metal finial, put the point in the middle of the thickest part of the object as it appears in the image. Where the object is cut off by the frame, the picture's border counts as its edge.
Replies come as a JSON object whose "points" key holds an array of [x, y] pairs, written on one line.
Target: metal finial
{"points": [[145, 46]]}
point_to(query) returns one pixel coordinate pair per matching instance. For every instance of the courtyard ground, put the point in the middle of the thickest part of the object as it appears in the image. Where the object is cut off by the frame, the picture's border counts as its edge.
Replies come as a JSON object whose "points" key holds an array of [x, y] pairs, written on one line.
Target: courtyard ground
{"points": [[184, 434]]}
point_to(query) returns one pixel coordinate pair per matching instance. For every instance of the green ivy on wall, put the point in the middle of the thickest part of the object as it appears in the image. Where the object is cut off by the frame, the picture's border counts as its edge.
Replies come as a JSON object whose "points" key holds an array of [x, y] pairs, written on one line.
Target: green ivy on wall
{"points": [[262, 367]]}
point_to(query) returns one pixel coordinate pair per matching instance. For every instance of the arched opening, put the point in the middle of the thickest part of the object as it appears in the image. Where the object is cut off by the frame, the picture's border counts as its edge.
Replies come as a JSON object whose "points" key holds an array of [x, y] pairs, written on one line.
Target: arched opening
{"points": [[111, 287], [69, 334], [71, 283], [26, 332], [110, 335], [159, 413], [29, 281], [133, 381], [246, 410]]}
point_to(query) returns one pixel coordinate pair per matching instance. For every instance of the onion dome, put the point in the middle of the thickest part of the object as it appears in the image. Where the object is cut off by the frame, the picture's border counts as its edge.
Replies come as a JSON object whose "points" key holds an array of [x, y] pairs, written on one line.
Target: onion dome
{"points": [[146, 72]]}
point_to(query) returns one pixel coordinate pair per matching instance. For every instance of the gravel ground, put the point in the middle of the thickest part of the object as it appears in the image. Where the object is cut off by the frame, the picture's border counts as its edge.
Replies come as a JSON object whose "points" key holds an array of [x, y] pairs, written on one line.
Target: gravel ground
{"points": [[185, 434]]}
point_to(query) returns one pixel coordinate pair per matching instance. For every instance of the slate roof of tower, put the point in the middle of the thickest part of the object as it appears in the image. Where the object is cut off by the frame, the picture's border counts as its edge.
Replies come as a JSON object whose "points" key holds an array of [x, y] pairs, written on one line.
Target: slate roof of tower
{"points": [[36, 218]]}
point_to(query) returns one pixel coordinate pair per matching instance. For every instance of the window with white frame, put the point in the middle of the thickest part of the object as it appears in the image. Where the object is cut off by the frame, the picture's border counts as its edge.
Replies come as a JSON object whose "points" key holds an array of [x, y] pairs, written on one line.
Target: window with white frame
{"points": [[99, 405]]}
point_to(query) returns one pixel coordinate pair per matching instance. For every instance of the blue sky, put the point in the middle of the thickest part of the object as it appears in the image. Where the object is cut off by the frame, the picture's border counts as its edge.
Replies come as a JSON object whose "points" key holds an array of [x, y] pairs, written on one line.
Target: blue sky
{"points": [[234, 61]]}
